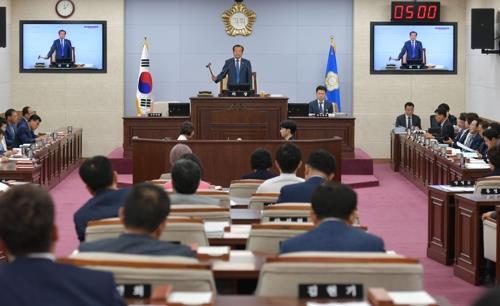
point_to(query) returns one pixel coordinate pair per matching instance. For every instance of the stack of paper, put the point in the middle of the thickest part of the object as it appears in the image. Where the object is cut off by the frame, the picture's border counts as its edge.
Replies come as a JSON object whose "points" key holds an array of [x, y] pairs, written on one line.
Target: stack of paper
{"points": [[412, 298], [477, 166], [190, 298], [213, 251]]}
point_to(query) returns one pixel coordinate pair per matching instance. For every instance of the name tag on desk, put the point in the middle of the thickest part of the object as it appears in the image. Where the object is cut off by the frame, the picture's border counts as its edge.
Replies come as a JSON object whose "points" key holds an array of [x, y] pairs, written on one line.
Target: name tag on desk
{"points": [[331, 291], [134, 291]]}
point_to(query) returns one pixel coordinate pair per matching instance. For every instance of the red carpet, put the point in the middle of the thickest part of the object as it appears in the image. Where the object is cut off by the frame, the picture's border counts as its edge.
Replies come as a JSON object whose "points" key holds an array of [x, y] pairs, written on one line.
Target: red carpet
{"points": [[395, 210]]}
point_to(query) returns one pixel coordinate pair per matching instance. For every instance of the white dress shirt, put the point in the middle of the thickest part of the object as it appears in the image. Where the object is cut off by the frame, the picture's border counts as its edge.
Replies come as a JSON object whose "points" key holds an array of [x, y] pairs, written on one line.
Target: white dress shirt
{"points": [[182, 137], [274, 184]]}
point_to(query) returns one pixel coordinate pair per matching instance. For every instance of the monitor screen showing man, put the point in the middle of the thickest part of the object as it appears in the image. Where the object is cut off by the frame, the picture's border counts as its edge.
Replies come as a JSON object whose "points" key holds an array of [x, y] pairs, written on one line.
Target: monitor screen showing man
{"points": [[62, 49], [412, 51], [238, 70]]}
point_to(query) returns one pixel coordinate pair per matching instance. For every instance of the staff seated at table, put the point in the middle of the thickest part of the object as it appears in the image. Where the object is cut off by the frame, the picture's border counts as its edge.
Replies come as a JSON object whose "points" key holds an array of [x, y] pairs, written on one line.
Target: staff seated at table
{"points": [[261, 163], [144, 216], [447, 131], [288, 161], [473, 139], [187, 131], [461, 131], [334, 210], [186, 176], [101, 181], [450, 117], [28, 233], [26, 114], [490, 136], [494, 161], [288, 128], [408, 119], [4, 149], [483, 148], [320, 168], [25, 132], [320, 105], [11, 131]]}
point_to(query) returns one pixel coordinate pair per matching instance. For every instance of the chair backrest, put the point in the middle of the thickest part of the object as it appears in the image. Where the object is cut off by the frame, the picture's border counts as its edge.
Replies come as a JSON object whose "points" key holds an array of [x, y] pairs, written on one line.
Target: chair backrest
{"points": [[281, 276], [223, 83], [180, 229], [491, 182], [184, 274], [490, 239], [258, 200], [244, 188], [203, 211], [286, 212], [222, 196], [266, 237]]}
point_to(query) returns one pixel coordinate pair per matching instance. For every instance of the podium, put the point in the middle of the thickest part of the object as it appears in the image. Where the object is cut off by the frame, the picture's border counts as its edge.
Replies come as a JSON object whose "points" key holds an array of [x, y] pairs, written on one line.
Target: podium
{"points": [[250, 118]]}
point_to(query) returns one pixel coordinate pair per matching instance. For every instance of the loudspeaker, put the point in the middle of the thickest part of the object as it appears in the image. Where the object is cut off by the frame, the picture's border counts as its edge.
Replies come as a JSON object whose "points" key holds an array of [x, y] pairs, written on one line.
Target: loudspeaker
{"points": [[178, 109], [483, 29], [298, 109], [3, 27]]}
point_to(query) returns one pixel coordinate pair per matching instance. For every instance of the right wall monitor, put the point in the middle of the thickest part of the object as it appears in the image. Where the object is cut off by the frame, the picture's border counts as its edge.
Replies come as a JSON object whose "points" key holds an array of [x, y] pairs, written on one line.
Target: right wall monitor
{"points": [[397, 48]]}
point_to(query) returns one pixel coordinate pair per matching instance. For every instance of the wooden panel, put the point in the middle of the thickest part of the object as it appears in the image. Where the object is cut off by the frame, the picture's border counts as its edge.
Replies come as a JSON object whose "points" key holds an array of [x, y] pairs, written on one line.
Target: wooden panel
{"points": [[395, 151], [222, 161]]}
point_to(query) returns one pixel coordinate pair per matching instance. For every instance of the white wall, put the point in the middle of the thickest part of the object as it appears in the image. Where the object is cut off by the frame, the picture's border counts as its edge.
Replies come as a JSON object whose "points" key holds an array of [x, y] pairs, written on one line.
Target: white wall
{"points": [[483, 71], [378, 99], [5, 64], [91, 101]]}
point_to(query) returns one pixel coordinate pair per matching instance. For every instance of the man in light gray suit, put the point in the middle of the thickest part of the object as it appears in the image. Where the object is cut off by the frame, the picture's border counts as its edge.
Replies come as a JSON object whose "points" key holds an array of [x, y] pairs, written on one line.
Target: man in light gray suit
{"points": [[144, 216], [186, 176]]}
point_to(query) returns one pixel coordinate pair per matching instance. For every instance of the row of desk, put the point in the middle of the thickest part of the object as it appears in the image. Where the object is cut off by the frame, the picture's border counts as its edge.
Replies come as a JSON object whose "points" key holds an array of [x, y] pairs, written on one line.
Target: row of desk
{"points": [[52, 163]]}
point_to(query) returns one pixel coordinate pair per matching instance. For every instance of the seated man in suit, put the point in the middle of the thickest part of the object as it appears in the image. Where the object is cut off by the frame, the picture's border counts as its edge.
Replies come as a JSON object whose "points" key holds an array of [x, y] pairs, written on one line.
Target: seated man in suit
{"points": [[100, 179], [4, 150], [238, 69], [408, 119], [25, 133], [287, 129], [320, 168], [473, 139], [446, 128], [28, 234], [320, 105], [11, 131], [490, 137], [462, 129], [144, 216], [288, 161], [333, 212], [260, 161], [26, 113], [451, 118], [186, 176]]}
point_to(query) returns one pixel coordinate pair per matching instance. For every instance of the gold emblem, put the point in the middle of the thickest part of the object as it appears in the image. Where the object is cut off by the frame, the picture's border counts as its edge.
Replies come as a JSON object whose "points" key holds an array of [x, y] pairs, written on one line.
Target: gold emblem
{"points": [[332, 81], [238, 20]]}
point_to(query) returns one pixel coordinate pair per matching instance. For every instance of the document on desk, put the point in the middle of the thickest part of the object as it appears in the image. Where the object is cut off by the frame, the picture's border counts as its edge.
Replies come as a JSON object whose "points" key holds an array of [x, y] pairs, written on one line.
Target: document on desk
{"points": [[477, 165], [213, 250], [458, 188], [190, 298], [464, 147], [412, 298]]}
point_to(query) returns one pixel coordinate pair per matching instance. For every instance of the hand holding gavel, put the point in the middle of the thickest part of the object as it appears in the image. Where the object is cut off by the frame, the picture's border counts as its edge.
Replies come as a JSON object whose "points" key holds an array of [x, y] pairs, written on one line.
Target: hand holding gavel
{"points": [[209, 66]]}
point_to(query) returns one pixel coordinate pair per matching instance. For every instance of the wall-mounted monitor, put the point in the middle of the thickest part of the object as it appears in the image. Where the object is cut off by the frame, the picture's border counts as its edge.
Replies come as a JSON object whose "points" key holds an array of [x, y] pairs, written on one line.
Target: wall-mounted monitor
{"points": [[413, 48], [62, 46]]}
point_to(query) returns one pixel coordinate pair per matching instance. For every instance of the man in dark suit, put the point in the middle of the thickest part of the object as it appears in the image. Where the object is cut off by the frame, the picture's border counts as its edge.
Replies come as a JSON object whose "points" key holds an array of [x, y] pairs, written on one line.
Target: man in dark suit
{"points": [[446, 131], [28, 233], [287, 129], [26, 113], [408, 119], [261, 162], [451, 118], [412, 48], [10, 133], [25, 132], [334, 210], [474, 139], [62, 48], [463, 129], [238, 69], [320, 105], [100, 179], [144, 216], [320, 168]]}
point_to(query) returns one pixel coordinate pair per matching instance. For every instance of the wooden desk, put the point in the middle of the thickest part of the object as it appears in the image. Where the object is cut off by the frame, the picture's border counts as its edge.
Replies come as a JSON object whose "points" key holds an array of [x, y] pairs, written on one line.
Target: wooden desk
{"points": [[469, 259], [497, 265], [395, 151], [423, 167], [53, 162], [441, 224], [216, 118], [222, 160]]}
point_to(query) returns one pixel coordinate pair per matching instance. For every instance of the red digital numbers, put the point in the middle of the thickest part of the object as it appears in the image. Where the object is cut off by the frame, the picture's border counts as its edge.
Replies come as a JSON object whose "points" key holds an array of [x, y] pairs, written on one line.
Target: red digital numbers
{"points": [[423, 11]]}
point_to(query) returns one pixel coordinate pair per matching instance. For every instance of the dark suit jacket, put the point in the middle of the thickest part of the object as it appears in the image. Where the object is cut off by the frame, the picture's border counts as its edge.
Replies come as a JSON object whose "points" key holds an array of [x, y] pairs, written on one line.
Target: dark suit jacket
{"points": [[258, 175], [64, 53], [42, 282], [314, 107], [460, 137], [230, 70], [477, 140], [333, 236], [10, 135], [24, 135], [447, 132], [410, 53], [105, 204], [300, 192], [415, 121], [434, 124], [137, 244]]}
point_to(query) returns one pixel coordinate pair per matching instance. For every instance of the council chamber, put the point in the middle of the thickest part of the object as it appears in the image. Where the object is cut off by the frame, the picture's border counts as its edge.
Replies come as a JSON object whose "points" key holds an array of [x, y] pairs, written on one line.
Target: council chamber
{"points": [[244, 152]]}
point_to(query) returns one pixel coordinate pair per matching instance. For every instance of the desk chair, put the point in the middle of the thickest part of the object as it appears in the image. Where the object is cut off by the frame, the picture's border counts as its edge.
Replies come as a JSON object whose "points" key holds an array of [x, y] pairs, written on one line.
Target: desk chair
{"points": [[243, 188], [266, 237], [258, 200], [203, 211], [286, 212]]}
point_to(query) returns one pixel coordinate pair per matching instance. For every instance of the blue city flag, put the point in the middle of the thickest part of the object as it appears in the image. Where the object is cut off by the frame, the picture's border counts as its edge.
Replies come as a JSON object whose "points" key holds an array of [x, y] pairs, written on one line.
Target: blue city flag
{"points": [[332, 78]]}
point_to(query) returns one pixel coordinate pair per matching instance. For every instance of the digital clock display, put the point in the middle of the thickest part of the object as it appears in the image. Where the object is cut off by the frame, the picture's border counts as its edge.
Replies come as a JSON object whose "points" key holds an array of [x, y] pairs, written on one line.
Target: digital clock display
{"points": [[415, 11]]}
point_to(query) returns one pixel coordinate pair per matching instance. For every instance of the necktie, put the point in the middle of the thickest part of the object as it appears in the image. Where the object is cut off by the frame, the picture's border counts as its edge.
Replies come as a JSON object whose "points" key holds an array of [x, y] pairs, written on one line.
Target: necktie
{"points": [[413, 49], [237, 71], [408, 125], [62, 47], [468, 140], [321, 110]]}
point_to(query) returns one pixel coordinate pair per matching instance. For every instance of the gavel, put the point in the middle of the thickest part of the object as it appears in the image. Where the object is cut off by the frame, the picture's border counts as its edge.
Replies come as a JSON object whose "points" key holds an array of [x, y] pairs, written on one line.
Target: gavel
{"points": [[209, 66]]}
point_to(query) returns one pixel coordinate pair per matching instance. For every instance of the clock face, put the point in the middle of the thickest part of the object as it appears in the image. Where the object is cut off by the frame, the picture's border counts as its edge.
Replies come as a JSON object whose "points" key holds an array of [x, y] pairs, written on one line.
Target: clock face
{"points": [[65, 8]]}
